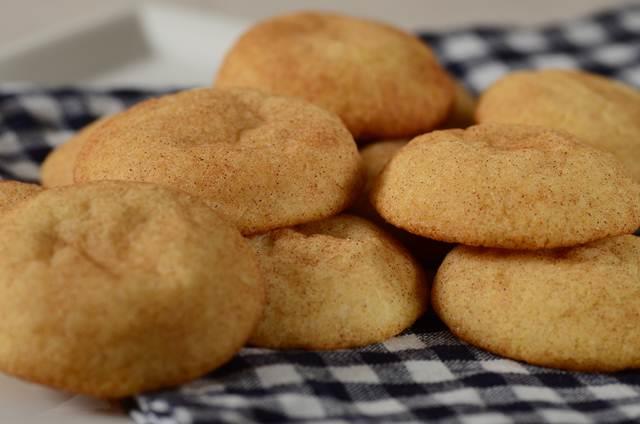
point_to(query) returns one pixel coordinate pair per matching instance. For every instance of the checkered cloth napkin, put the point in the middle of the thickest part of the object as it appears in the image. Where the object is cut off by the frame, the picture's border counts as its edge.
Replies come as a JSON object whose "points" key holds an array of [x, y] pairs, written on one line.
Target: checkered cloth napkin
{"points": [[425, 374]]}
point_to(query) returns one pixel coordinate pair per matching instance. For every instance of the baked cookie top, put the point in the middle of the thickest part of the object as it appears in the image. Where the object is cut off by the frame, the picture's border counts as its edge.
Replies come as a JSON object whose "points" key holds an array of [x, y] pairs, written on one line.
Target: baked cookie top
{"points": [[575, 308], [336, 283], [381, 81], [58, 167], [113, 288], [601, 112], [510, 186], [14, 192], [261, 161]]}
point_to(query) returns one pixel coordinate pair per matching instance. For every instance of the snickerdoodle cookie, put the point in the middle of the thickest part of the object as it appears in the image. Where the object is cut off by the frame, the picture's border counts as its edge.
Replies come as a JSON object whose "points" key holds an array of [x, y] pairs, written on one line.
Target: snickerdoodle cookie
{"points": [[375, 156], [13, 193], [57, 169], [113, 288], [601, 112], [575, 308], [382, 82], [510, 186], [261, 161], [336, 283], [463, 109]]}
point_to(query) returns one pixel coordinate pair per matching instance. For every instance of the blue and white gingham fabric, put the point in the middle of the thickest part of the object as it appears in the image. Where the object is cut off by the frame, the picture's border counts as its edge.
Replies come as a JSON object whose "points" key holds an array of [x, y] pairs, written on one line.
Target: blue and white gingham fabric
{"points": [[423, 375]]}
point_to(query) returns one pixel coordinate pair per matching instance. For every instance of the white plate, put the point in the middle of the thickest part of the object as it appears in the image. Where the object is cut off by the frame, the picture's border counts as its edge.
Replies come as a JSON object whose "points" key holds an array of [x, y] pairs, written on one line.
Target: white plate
{"points": [[151, 45]]}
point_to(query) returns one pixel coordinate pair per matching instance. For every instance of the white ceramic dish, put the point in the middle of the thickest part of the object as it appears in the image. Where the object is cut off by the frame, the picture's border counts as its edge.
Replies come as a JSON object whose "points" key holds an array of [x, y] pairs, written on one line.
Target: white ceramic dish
{"points": [[149, 45], [27, 403]]}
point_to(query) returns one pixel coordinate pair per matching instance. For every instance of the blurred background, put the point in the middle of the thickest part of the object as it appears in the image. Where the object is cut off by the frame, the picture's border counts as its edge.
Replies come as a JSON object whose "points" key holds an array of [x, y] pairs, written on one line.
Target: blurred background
{"points": [[20, 18], [181, 42]]}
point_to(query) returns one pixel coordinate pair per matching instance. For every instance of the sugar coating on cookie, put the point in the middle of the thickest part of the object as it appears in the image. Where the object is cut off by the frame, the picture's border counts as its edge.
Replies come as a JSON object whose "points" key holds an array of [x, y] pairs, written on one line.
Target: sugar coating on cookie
{"points": [[601, 112], [375, 156], [261, 161], [114, 288], [336, 283], [574, 308], [510, 186], [382, 82], [13, 193], [57, 169]]}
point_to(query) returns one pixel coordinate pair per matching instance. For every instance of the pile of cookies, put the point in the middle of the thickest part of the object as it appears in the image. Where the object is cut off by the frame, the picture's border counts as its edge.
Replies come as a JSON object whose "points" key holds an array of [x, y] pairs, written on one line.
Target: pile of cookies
{"points": [[169, 235]]}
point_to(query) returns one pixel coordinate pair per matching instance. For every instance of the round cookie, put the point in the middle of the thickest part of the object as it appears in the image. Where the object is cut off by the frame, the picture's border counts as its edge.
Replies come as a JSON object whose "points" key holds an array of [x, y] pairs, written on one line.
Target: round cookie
{"points": [[375, 156], [576, 308], [382, 82], [114, 288], [463, 109], [57, 168], [261, 161], [13, 193], [601, 112], [510, 186], [336, 283]]}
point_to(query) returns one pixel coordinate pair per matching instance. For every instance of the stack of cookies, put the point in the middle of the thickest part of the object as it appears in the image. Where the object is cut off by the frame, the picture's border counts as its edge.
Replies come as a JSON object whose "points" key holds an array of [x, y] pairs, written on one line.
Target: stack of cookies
{"points": [[170, 235], [546, 273], [553, 277]]}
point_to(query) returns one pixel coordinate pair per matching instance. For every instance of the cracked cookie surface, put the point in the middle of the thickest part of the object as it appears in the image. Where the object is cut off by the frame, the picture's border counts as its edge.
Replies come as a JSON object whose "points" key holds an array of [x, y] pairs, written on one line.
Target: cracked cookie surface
{"points": [[114, 288], [335, 61], [337, 283], [261, 161], [574, 308], [510, 186]]}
